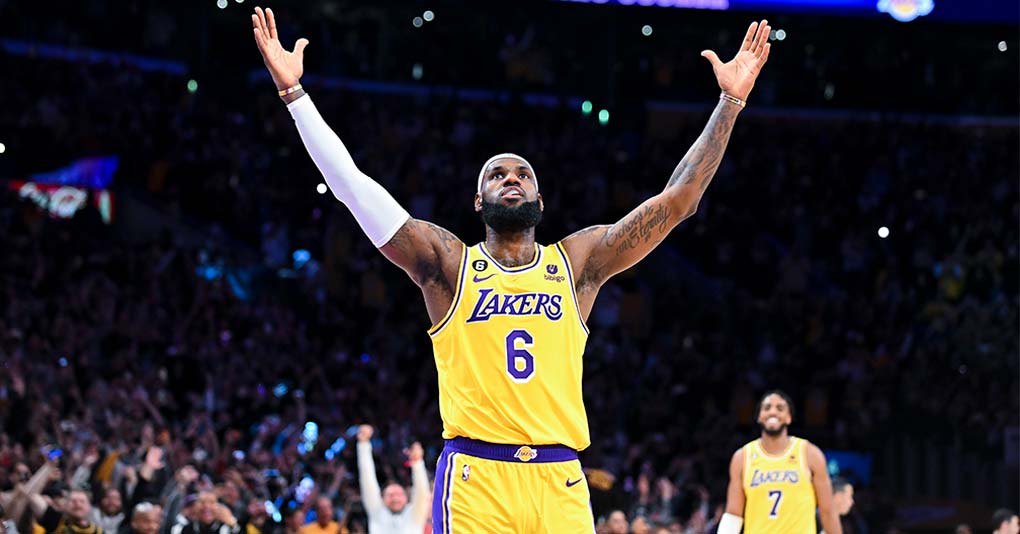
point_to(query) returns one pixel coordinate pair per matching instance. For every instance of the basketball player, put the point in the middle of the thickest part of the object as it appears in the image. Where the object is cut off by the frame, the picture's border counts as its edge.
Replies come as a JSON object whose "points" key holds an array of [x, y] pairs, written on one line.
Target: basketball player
{"points": [[776, 481], [508, 315]]}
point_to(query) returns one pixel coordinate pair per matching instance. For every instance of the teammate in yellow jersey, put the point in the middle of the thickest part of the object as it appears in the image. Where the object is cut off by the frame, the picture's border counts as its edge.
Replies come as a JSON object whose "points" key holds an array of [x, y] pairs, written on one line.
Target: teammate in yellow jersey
{"points": [[778, 480], [508, 315]]}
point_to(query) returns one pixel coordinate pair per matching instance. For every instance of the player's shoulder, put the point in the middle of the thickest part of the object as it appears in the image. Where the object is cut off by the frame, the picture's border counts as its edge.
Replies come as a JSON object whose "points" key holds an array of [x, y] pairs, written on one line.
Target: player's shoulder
{"points": [[808, 446], [738, 455]]}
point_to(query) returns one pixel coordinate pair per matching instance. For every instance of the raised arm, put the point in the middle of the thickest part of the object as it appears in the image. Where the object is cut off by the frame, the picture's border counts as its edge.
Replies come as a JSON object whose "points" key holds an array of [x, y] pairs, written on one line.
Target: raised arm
{"points": [[600, 252], [429, 254], [419, 483], [371, 493], [823, 490], [733, 519]]}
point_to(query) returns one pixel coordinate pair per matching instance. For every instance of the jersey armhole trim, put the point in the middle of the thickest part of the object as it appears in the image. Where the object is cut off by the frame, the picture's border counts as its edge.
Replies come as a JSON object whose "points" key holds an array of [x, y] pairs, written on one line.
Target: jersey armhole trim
{"points": [[436, 328], [747, 464], [803, 459], [573, 290]]}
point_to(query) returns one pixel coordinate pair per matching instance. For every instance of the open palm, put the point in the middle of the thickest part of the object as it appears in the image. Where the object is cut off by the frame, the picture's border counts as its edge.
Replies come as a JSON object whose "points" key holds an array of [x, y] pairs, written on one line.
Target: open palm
{"points": [[737, 75], [285, 67]]}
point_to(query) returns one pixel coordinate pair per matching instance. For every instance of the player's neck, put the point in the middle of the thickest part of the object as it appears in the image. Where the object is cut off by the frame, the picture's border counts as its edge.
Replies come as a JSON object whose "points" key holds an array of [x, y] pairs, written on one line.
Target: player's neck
{"points": [[775, 445], [511, 249]]}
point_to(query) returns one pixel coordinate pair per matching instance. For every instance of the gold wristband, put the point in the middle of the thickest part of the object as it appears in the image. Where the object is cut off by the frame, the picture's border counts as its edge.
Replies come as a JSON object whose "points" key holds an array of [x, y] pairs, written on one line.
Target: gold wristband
{"points": [[290, 90], [729, 98]]}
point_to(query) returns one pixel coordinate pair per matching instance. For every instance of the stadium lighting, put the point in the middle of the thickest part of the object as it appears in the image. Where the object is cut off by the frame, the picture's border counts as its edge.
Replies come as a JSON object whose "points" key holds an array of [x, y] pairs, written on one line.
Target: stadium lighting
{"points": [[1002, 46], [192, 86], [586, 107], [603, 117], [883, 232], [780, 35], [417, 21], [428, 15], [416, 71], [3, 148], [646, 30], [321, 188], [222, 4]]}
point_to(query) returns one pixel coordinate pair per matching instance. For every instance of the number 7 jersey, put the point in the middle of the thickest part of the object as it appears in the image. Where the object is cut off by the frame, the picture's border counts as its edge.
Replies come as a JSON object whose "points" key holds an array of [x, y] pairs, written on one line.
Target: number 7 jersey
{"points": [[779, 494], [509, 352]]}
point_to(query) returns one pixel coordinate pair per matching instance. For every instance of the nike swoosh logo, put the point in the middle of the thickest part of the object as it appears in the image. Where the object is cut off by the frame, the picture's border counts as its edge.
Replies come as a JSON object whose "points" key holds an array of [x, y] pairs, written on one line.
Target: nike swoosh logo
{"points": [[476, 279], [569, 483]]}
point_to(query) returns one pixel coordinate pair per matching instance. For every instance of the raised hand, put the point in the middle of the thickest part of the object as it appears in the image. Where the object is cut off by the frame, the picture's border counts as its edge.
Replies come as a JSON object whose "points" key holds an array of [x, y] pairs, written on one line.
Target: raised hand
{"points": [[414, 453], [285, 67], [737, 75]]}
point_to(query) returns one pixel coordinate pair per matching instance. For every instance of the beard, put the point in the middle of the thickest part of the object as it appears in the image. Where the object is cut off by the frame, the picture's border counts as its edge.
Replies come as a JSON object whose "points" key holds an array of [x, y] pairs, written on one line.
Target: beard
{"points": [[504, 219], [773, 432]]}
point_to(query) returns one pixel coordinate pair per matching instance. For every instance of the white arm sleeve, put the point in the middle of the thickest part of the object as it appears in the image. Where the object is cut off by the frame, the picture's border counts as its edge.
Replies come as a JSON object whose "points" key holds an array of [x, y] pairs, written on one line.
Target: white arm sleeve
{"points": [[371, 494], [375, 210]]}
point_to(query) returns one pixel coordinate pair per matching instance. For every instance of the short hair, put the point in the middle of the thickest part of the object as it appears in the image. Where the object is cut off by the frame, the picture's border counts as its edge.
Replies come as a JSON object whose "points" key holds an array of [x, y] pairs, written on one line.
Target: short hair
{"points": [[1002, 515], [839, 485], [782, 394]]}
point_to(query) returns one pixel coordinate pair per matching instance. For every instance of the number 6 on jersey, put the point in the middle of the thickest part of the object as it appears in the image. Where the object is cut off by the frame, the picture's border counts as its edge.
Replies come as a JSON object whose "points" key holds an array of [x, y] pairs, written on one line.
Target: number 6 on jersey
{"points": [[520, 364]]}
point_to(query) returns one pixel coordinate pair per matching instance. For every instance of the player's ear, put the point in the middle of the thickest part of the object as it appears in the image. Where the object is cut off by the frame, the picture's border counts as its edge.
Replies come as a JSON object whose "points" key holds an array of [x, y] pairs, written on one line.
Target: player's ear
{"points": [[478, 202], [541, 203]]}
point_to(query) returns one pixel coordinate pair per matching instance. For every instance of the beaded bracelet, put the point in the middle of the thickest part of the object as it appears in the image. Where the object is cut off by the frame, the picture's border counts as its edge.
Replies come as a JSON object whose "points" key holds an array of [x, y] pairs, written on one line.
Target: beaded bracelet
{"points": [[290, 90], [733, 99]]}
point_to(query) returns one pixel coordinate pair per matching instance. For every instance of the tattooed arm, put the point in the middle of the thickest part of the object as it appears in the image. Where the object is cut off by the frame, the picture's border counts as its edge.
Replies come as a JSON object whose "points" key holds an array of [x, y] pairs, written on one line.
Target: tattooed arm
{"points": [[431, 256], [599, 252]]}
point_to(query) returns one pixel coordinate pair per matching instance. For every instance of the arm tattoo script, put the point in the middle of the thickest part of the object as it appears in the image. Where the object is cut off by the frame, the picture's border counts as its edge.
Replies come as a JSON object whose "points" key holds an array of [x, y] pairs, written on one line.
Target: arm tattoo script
{"points": [[699, 165], [650, 223]]}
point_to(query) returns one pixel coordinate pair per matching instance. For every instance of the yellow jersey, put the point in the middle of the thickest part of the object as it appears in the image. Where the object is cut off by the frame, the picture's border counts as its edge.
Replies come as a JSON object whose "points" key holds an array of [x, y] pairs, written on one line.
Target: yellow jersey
{"points": [[509, 352], [778, 490]]}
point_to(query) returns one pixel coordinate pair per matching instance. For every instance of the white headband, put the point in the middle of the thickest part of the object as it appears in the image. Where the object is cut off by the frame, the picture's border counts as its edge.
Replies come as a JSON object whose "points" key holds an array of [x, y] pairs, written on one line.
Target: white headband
{"points": [[481, 175]]}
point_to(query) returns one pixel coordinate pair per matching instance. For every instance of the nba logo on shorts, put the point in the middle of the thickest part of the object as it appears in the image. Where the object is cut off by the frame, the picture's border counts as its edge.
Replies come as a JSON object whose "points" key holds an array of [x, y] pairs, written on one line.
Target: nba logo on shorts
{"points": [[526, 454], [465, 473]]}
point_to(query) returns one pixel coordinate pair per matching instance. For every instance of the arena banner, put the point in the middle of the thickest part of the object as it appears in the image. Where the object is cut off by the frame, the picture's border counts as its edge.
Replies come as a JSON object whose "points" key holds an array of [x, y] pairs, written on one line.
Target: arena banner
{"points": [[64, 201]]}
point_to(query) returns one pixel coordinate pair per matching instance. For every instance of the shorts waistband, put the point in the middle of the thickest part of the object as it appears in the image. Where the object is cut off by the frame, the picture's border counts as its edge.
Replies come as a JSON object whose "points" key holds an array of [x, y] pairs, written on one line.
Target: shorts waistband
{"points": [[512, 453]]}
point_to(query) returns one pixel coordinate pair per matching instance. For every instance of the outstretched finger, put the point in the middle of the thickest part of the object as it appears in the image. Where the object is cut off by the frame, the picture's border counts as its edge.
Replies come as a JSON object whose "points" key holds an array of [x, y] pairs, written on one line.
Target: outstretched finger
{"points": [[259, 36], [749, 38], [765, 55], [761, 38], [272, 24], [262, 21]]}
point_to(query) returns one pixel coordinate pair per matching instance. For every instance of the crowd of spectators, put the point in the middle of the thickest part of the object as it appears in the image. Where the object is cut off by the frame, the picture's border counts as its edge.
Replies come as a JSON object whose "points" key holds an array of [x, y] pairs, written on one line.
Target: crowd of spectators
{"points": [[231, 399]]}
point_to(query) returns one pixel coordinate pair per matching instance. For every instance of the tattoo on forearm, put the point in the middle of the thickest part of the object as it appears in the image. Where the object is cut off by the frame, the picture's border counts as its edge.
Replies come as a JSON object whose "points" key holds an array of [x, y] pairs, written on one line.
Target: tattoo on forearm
{"points": [[650, 223], [699, 165]]}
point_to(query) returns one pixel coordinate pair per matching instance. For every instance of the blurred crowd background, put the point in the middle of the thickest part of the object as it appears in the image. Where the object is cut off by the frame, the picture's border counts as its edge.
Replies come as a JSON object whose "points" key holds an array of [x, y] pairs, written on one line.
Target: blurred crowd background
{"points": [[225, 334]]}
